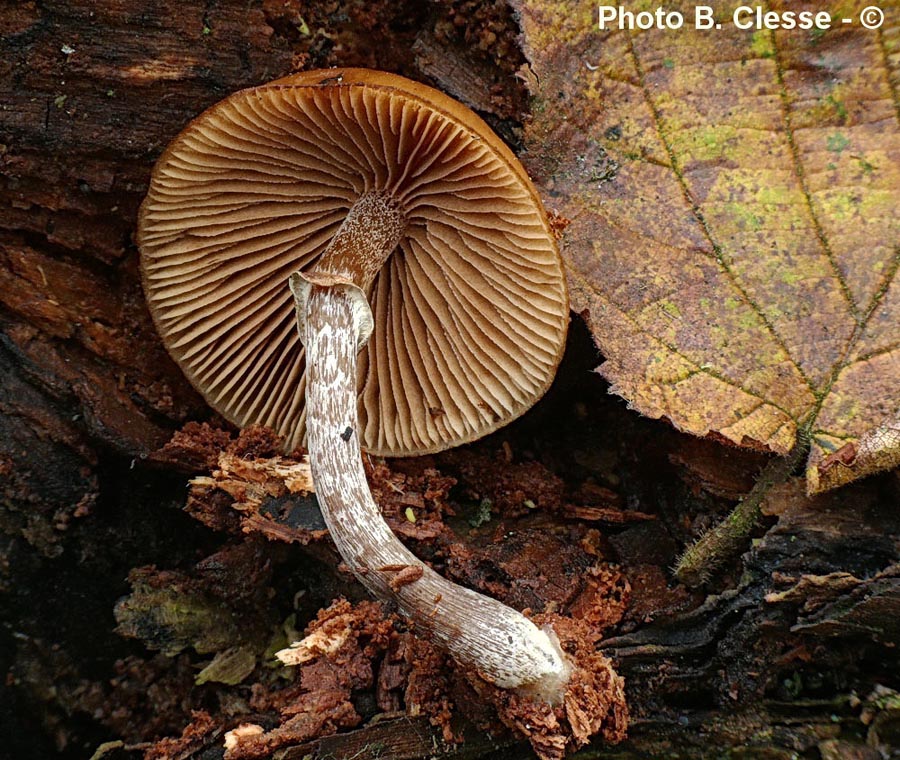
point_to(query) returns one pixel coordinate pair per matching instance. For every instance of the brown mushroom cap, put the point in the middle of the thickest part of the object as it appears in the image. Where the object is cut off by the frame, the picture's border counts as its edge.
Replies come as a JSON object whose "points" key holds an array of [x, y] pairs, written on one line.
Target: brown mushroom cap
{"points": [[470, 309]]}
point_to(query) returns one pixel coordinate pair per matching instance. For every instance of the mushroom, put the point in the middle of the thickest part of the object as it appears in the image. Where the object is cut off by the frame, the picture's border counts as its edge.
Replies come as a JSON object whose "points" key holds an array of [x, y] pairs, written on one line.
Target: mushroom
{"points": [[428, 292]]}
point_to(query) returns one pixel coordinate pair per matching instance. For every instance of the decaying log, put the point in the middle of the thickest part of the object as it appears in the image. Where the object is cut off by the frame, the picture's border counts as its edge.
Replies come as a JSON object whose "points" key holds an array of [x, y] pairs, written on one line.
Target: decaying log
{"points": [[792, 652]]}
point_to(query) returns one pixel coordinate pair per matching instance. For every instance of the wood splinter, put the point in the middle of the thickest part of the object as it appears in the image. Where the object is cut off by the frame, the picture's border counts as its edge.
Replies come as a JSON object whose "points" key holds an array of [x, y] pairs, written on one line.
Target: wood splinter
{"points": [[403, 576]]}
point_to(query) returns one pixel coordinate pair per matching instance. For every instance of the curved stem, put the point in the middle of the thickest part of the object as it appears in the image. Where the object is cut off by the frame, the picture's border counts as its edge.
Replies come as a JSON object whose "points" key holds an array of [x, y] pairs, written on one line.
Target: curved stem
{"points": [[481, 634], [729, 537]]}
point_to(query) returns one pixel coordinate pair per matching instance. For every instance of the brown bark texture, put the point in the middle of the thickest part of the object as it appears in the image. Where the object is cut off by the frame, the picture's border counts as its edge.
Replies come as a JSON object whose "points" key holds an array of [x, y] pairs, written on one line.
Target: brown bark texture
{"points": [[789, 652]]}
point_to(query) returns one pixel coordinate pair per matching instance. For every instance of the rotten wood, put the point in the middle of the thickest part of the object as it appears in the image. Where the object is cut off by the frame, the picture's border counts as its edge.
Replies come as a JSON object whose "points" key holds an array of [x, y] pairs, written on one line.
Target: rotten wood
{"points": [[792, 650]]}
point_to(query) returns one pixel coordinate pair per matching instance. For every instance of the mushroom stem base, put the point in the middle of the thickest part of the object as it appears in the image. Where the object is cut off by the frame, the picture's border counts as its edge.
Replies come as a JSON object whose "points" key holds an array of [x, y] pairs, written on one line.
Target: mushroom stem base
{"points": [[483, 635]]}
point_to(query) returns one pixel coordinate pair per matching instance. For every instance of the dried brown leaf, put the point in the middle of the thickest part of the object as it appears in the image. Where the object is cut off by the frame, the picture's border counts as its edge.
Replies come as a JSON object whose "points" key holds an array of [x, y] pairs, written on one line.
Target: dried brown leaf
{"points": [[733, 200]]}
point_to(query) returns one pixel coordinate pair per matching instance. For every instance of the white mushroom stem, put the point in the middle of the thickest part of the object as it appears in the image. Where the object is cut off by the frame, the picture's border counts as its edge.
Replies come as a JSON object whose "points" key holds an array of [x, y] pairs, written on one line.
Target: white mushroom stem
{"points": [[483, 635], [493, 640]]}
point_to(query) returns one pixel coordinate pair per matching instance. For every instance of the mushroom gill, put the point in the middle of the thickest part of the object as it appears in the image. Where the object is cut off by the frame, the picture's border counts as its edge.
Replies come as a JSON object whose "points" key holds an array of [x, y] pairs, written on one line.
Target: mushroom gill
{"points": [[469, 308]]}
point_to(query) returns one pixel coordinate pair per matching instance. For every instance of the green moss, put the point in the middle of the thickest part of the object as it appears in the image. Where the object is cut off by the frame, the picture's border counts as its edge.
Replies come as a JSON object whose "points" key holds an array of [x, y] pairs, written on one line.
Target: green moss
{"points": [[670, 308], [761, 44], [171, 620], [837, 142], [841, 206], [866, 167], [839, 108], [748, 320], [744, 215], [774, 195], [711, 143]]}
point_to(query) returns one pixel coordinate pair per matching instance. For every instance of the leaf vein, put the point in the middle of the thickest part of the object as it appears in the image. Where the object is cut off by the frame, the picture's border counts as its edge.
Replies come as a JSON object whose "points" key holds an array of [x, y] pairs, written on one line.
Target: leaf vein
{"points": [[704, 225], [889, 276], [698, 368], [800, 174]]}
